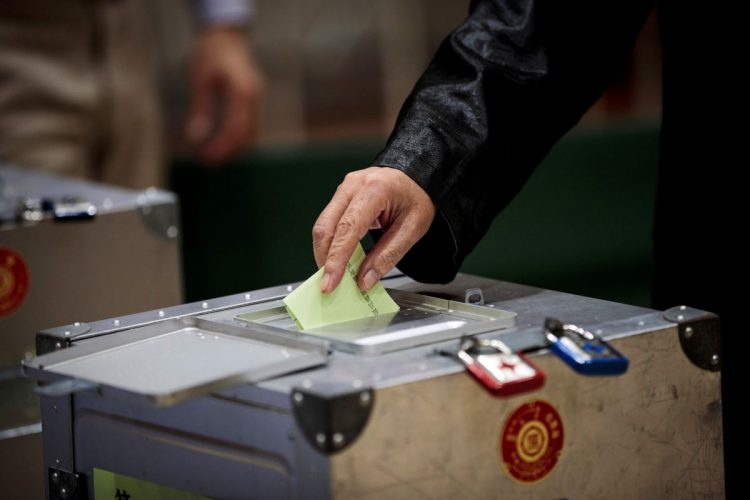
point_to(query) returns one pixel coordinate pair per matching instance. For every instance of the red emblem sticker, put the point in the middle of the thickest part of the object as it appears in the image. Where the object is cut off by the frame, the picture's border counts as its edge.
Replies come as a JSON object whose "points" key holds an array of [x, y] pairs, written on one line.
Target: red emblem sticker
{"points": [[531, 441], [14, 281]]}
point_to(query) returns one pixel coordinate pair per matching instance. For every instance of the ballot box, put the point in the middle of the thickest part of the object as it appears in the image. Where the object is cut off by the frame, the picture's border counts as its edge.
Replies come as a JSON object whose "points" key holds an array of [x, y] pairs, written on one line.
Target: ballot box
{"points": [[70, 250], [469, 391]]}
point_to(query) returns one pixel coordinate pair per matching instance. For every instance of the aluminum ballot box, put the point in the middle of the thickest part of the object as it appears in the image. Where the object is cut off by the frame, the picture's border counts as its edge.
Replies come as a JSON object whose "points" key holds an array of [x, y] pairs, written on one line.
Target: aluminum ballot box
{"points": [[70, 250], [476, 389]]}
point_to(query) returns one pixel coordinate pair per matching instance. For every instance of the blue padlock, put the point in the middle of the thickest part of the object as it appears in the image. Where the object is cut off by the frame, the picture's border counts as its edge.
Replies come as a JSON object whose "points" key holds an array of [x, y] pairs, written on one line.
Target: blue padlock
{"points": [[583, 351]]}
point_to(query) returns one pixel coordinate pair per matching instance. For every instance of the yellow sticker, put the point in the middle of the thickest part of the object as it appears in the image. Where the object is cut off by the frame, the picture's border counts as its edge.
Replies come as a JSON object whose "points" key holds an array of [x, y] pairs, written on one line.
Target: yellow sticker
{"points": [[111, 486]]}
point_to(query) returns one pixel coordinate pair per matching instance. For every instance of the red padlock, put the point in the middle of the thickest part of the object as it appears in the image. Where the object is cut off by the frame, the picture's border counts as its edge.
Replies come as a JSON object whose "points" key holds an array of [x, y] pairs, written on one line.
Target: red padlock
{"points": [[501, 371]]}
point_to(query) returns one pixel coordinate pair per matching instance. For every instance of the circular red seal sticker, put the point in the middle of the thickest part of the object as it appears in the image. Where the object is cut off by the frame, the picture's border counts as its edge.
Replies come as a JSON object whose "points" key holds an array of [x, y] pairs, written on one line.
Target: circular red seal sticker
{"points": [[531, 441], [14, 281]]}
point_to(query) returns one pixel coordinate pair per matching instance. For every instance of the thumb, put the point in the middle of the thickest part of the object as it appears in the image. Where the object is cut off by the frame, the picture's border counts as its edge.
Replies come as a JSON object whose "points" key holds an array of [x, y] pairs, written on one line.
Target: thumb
{"points": [[388, 251]]}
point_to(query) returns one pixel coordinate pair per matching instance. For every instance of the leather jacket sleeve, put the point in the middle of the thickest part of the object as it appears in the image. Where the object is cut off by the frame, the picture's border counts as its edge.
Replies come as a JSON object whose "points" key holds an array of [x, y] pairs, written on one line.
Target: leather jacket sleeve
{"points": [[501, 90]]}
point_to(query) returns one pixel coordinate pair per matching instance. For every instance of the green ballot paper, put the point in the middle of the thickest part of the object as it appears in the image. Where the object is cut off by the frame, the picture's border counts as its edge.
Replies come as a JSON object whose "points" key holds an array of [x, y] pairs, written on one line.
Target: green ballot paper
{"points": [[311, 308]]}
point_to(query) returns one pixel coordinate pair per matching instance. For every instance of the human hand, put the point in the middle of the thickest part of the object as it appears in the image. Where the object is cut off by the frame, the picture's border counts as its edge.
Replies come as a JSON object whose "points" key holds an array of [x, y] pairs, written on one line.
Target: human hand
{"points": [[225, 90], [376, 197]]}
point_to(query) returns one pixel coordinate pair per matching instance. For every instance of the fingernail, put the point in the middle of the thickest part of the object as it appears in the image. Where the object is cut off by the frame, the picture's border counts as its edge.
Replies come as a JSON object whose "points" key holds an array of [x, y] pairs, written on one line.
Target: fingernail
{"points": [[324, 283], [371, 277]]}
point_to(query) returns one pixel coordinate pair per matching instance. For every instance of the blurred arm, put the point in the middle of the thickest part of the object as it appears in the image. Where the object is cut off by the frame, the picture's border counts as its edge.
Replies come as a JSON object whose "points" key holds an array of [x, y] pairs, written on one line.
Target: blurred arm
{"points": [[226, 84]]}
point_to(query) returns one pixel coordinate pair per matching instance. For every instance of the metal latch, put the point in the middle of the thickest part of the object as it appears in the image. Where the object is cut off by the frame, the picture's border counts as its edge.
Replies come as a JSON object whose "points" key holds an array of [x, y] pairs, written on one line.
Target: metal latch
{"points": [[501, 371], [72, 208], [474, 296], [66, 209], [66, 387], [583, 351]]}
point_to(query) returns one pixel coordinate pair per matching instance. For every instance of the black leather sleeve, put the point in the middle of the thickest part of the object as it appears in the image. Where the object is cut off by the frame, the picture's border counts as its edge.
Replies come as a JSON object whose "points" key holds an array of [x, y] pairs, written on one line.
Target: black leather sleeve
{"points": [[501, 90]]}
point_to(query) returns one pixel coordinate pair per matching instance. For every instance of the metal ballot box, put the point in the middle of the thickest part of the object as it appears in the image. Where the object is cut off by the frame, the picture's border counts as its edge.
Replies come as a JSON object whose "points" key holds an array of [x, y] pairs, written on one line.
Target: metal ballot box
{"points": [[225, 399], [70, 250]]}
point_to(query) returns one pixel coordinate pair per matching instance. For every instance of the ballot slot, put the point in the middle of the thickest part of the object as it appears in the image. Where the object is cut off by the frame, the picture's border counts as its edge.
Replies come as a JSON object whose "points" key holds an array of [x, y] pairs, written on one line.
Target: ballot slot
{"points": [[170, 361], [420, 320]]}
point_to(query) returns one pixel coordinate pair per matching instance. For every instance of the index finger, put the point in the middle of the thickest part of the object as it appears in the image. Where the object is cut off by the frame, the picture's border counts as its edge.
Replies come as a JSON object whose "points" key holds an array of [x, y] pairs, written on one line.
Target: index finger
{"points": [[325, 227], [364, 208]]}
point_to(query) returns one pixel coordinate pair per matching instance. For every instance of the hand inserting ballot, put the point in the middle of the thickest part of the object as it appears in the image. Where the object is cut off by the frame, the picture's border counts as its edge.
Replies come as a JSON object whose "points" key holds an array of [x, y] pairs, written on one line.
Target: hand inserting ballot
{"points": [[376, 197]]}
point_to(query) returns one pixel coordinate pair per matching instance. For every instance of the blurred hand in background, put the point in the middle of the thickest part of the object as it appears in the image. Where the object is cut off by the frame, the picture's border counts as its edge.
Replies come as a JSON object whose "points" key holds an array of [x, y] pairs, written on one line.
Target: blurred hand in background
{"points": [[373, 198], [226, 87]]}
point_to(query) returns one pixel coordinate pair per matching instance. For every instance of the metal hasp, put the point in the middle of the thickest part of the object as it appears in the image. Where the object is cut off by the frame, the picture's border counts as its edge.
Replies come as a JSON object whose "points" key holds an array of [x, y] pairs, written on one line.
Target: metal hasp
{"points": [[65, 485], [700, 335], [331, 415], [583, 351], [474, 296]]}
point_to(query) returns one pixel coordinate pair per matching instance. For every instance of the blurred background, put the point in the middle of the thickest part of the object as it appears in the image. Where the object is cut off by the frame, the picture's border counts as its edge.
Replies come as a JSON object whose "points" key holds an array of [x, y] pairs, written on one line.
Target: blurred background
{"points": [[340, 69], [336, 74]]}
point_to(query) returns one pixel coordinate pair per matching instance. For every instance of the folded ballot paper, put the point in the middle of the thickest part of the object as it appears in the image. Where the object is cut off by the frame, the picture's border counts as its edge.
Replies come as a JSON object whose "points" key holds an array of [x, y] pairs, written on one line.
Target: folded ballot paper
{"points": [[311, 308]]}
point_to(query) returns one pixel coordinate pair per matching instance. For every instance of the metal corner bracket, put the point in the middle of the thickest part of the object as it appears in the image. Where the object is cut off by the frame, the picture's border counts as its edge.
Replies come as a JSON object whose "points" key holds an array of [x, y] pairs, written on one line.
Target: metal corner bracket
{"points": [[700, 336], [332, 415]]}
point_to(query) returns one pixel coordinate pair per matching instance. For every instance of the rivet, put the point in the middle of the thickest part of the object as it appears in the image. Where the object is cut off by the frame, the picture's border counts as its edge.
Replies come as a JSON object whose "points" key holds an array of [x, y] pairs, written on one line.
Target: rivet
{"points": [[688, 332], [320, 438], [364, 398]]}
